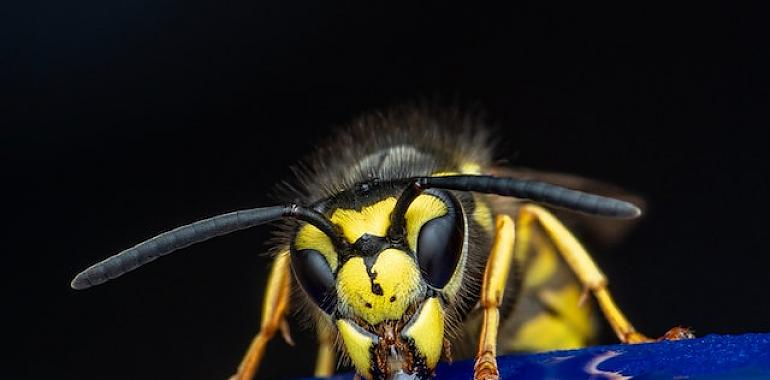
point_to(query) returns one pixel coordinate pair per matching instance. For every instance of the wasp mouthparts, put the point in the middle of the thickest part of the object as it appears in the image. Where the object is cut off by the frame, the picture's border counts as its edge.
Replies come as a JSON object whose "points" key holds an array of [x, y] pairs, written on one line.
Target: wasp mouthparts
{"points": [[393, 354]]}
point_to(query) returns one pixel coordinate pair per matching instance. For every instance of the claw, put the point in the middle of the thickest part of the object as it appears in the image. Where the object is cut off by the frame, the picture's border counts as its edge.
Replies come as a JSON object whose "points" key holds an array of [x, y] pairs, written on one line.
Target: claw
{"points": [[678, 333]]}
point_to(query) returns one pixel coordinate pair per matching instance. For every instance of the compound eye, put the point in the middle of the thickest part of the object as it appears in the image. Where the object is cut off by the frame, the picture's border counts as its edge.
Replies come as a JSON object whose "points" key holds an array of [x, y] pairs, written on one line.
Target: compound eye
{"points": [[315, 276], [440, 243]]}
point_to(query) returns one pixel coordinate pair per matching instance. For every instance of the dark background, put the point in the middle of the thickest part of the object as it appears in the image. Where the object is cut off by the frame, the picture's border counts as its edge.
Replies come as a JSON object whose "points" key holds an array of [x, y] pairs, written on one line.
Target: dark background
{"points": [[125, 119]]}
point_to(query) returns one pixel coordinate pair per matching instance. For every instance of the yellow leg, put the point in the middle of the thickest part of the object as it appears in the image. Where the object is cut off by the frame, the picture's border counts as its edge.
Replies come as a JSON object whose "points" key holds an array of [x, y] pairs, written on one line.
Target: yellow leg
{"points": [[492, 289], [325, 362], [588, 273], [274, 309]]}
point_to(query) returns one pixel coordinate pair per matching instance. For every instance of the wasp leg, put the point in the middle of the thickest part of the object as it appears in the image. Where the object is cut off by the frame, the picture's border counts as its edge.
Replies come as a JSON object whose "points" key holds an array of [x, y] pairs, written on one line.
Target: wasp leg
{"points": [[325, 362], [495, 278], [274, 309], [588, 273]]}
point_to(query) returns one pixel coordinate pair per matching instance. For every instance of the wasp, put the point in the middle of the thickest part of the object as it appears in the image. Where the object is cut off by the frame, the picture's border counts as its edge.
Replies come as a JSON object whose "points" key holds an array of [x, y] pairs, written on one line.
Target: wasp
{"points": [[406, 243]]}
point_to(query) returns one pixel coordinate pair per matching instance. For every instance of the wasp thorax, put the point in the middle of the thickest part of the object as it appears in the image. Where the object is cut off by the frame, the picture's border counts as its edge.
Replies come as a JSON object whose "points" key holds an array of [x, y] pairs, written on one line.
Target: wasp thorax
{"points": [[380, 287]]}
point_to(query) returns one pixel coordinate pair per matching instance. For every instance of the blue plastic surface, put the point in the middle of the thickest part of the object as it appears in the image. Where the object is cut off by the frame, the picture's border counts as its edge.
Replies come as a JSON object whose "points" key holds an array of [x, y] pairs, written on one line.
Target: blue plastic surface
{"points": [[710, 357]]}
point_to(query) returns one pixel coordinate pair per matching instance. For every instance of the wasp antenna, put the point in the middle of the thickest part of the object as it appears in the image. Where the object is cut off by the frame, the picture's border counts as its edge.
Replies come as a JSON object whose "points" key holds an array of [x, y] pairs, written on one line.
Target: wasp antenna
{"points": [[536, 191], [190, 234]]}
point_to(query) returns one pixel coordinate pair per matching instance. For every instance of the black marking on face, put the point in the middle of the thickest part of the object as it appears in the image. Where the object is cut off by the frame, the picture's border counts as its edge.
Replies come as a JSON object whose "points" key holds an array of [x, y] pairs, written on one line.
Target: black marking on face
{"points": [[367, 246], [376, 288], [370, 245], [369, 263]]}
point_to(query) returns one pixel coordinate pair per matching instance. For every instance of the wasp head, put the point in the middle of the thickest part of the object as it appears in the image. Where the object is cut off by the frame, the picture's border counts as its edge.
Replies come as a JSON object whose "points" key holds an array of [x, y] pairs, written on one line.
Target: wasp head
{"points": [[387, 288]]}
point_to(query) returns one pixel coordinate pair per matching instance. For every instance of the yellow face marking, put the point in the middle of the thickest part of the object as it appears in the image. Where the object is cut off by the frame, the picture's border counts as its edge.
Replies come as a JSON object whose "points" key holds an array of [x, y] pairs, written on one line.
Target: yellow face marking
{"points": [[427, 331], [423, 209], [398, 277], [358, 345], [372, 220], [310, 237]]}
